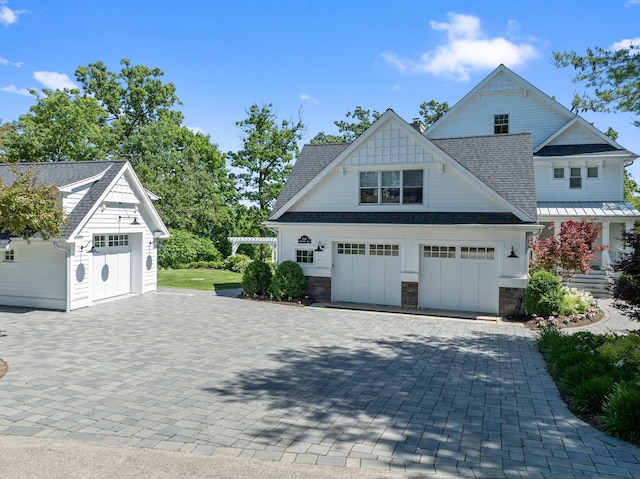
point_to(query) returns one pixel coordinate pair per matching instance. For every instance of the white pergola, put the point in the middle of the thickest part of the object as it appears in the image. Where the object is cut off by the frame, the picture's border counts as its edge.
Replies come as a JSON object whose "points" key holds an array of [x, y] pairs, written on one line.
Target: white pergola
{"points": [[238, 240]]}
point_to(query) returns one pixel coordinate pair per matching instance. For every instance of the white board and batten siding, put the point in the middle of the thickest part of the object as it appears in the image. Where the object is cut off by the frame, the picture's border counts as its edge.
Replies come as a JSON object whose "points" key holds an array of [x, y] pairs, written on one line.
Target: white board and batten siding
{"points": [[393, 147], [35, 278]]}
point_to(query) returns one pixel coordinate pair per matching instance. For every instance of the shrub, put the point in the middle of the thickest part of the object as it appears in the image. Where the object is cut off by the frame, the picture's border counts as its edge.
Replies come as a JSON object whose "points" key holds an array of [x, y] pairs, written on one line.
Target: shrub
{"points": [[236, 263], [256, 278], [544, 294], [589, 396], [575, 302], [622, 351], [621, 412], [184, 248], [572, 376], [289, 281]]}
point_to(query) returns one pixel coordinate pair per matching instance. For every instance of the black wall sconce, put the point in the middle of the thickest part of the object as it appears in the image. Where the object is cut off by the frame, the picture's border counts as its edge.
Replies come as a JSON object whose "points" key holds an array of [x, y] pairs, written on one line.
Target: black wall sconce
{"points": [[320, 247], [512, 254], [93, 247]]}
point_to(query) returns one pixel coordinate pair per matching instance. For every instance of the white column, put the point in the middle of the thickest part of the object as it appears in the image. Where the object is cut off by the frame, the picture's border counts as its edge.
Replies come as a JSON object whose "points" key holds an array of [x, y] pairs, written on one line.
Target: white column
{"points": [[604, 240]]}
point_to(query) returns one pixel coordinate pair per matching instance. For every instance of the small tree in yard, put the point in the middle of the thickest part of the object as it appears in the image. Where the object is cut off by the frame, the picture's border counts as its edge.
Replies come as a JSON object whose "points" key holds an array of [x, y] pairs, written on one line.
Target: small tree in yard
{"points": [[570, 251], [626, 289]]}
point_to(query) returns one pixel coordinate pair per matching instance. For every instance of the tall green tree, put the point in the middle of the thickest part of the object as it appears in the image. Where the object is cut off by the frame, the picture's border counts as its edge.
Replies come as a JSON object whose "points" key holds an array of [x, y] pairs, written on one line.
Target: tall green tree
{"points": [[29, 207], [189, 174], [133, 98], [63, 125], [349, 130], [264, 161], [613, 76], [431, 111], [361, 120]]}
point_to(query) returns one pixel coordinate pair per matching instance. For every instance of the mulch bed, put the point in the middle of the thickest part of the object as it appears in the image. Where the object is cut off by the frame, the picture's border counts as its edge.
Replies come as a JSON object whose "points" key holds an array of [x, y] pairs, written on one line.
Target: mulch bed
{"points": [[4, 367], [266, 299], [532, 324]]}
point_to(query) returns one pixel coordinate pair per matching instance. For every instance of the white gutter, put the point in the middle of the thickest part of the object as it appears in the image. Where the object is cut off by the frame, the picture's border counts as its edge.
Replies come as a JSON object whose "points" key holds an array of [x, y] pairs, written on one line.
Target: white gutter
{"points": [[68, 280]]}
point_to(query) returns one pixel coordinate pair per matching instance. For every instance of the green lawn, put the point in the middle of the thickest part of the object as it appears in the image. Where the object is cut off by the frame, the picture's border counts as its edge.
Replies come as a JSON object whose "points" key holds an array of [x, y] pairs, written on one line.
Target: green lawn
{"points": [[204, 279]]}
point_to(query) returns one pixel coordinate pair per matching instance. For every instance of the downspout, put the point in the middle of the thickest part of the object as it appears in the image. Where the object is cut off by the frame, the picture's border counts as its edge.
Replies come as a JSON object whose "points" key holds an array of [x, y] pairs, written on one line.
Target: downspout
{"points": [[68, 280]]}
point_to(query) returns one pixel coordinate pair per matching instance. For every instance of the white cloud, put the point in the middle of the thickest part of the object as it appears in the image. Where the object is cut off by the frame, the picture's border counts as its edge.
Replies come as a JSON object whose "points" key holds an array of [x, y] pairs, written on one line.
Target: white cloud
{"points": [[6, 63], [467, 49], [15, 89], [625, 43], [631, 2], [54, 80], [305, 97], [8, 16], [195, 129]]}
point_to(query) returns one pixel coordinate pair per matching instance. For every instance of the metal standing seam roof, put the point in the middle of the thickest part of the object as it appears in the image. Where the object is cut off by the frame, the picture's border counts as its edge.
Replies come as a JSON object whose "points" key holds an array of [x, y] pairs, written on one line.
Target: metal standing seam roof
{"points": [[66, 173], [587, 209]]}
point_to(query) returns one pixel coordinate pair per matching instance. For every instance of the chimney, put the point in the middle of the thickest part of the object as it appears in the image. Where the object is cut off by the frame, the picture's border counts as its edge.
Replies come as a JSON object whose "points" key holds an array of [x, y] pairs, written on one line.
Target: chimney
{"points": [[417, 124]]}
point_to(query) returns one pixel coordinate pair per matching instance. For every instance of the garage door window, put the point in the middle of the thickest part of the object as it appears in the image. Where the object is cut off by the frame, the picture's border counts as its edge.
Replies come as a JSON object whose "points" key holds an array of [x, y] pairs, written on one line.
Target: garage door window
{"points": [[383, 250], [99, 241], [472, 252], [351, 248], [439, 252], [118, 240]]}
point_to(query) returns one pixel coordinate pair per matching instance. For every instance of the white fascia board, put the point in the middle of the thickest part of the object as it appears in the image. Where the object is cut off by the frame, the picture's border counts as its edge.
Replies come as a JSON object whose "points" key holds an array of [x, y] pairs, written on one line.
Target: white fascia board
{"points": [[72, 186]]}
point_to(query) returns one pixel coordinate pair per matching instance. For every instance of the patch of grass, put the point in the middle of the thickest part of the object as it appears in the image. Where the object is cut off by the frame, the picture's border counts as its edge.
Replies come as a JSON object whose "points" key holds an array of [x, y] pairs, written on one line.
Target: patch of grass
{"points": [[202, 279]]}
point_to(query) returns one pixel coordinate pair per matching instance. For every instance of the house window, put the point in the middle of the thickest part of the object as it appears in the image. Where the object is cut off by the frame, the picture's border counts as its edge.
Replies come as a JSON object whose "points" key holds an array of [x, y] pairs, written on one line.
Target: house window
{"points": [[118, 240], [439, 251], [575, 180], [304, 256], [472, 252], [383, 250], [351, 248], [99, 241], [592, 172], [500, 124], [391, 187], [558, 173], [9, 256]]}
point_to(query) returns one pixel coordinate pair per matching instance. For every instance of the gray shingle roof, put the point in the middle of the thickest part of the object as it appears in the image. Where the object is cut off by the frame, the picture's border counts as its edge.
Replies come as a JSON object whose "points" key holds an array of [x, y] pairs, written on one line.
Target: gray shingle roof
{"points": [[67, 173], [311, 161], [400, 218], [585, 149], [502, 162]]}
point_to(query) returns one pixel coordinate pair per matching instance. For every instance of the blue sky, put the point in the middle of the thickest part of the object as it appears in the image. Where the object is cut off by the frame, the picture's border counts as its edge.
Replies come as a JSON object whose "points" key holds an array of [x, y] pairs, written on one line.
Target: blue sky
{"points": [[321, 58]]}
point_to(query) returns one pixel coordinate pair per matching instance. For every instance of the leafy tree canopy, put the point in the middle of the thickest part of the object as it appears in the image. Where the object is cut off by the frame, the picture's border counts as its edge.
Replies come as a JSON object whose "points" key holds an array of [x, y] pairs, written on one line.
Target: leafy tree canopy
{"points": [[626, 289], [614, 77], [29, 207], [430, 112]]}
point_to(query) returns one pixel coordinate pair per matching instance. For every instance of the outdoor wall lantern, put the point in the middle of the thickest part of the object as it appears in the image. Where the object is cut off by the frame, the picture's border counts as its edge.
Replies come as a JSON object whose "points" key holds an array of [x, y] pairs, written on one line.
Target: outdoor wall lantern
{"points": [[93, 247], [513, 253], [320, 247]]}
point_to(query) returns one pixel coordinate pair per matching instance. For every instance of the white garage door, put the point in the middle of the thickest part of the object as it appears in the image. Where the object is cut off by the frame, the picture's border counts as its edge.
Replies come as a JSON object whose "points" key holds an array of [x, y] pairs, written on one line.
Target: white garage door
{"points": [[111, 266], [463, 278], [366, 273]]}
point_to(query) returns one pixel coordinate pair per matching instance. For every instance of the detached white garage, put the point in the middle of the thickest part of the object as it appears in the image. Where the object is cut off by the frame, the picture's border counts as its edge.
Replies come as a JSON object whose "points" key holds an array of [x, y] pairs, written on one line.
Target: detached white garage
{"points": [[366, 273], [108, 248], [459, 277]]}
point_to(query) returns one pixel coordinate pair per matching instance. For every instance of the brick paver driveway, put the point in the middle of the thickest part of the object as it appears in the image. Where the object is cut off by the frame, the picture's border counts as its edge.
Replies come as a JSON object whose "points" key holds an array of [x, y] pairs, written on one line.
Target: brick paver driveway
{"points": [[202, 374]]}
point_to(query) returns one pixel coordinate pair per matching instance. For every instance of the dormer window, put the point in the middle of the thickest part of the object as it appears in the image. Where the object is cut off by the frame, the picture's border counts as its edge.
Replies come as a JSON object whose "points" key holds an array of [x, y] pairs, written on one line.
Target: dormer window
{"points": [[500, 124], [9, 256]]}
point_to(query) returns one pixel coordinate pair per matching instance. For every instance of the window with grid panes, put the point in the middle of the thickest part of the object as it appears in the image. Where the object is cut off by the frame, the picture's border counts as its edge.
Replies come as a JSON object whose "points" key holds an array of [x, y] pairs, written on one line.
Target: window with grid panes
{"points": [[500, 124], [304, 256], [9, 256], [474, 252], [384, 250], [351, 248], [435, 251]]}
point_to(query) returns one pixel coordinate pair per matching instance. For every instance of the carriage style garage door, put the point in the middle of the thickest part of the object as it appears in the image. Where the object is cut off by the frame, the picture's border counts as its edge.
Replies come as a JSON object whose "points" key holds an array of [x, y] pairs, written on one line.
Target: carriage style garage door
{"points": [[366, 273], [463, 278], [111, 266]]}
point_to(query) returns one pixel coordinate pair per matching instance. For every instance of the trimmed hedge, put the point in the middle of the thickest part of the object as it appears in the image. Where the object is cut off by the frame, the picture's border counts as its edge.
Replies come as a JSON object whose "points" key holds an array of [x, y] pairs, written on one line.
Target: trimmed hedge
{"points": [[544, 295], [256, 278], [289, 281]]}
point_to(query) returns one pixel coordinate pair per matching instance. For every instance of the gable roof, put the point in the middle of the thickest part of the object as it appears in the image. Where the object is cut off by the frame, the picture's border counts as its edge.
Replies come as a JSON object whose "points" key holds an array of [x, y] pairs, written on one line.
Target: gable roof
{"points": [[530, 90], [310, 162], [502, 162], [100, 175]]}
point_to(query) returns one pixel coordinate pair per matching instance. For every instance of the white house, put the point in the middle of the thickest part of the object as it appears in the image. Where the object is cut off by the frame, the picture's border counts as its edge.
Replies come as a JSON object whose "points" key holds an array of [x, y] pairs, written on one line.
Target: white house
{"points": [[442, 219], [109, 247], [579, 171]]}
